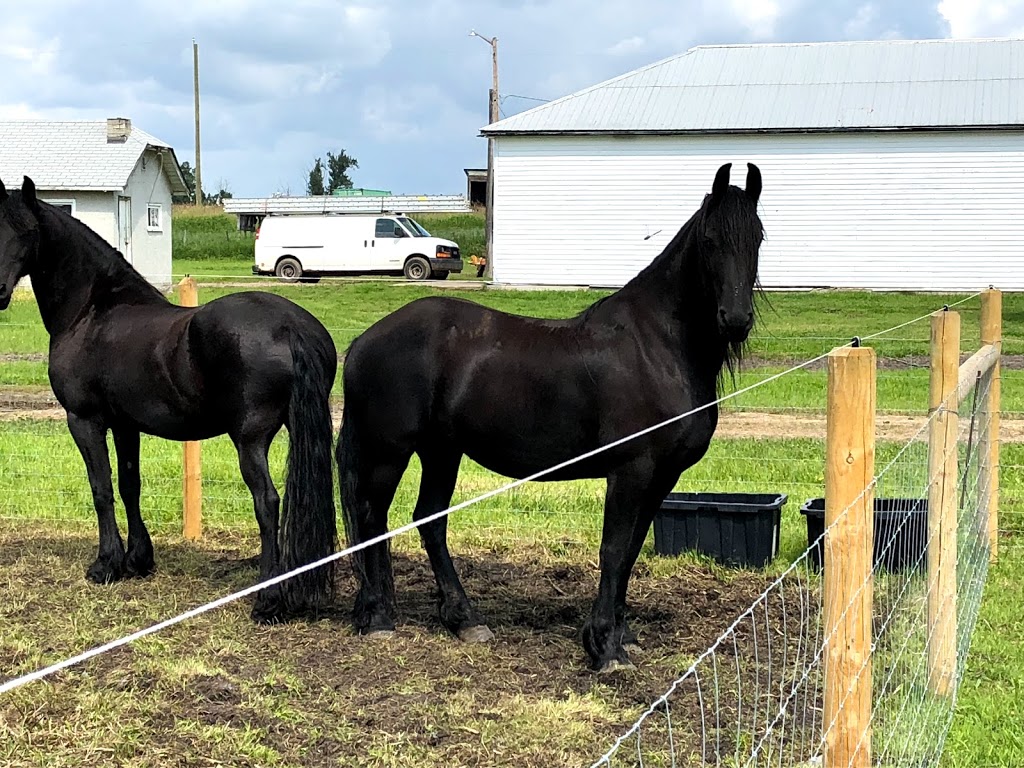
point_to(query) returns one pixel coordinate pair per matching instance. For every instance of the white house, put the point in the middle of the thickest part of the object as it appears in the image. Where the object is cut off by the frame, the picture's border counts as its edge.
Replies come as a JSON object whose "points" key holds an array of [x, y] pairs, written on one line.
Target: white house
{"points": [[110, 175], [890, 165]]}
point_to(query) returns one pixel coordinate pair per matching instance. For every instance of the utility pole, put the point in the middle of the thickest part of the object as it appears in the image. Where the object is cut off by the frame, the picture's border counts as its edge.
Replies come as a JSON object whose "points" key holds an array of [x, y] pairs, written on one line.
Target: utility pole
{"points": [[493, 117], [195, 87]]}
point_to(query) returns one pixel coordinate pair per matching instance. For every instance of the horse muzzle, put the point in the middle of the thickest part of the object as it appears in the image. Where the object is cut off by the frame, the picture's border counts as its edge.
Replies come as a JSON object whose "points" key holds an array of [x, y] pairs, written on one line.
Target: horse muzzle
{"points": [[6, 292], [735, 327]]}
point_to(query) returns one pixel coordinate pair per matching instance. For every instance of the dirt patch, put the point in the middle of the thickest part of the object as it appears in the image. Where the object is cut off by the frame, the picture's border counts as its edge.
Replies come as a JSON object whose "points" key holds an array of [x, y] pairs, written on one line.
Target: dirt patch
{"points": [[1007, 362], [313, 694], [30, 405], [895, 427]]}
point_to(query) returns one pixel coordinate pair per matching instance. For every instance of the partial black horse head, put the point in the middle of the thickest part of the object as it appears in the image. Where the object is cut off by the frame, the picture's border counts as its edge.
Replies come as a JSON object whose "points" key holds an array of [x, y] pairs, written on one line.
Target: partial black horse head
{"points": [[19, 237], [730, 237]]}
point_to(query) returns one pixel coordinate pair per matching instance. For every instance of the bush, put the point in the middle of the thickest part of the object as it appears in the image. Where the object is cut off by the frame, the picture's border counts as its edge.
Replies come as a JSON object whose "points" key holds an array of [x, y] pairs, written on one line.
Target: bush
{"points": [[466, 229], [206, 233]]}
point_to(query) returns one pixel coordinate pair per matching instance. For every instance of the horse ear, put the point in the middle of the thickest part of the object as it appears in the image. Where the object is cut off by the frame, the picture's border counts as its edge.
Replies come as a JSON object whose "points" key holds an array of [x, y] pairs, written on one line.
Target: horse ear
{"points": [[721, 183], [28, 194], [753, 182]]}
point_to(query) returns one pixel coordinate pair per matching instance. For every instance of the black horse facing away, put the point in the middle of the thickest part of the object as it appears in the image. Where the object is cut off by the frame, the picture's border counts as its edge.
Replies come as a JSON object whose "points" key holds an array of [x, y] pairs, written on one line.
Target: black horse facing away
{"points": [[124, 359], [445, 377]]}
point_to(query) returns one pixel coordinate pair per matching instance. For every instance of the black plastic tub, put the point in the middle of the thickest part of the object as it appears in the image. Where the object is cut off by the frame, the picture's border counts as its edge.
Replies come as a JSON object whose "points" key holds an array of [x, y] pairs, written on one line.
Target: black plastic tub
{"points": [[736, 529], [901, 533]]}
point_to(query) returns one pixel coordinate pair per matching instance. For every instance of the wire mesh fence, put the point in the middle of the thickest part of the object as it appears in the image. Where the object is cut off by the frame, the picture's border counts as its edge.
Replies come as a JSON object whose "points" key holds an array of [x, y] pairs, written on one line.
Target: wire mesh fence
{"points": [[757, 696]]}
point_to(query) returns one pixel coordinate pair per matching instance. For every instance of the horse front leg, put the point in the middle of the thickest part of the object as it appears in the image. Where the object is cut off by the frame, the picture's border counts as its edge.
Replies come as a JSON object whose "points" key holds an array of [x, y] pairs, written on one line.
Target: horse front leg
{"points": [[437, 484], [139, 561], [633, 496], [90, 435]]}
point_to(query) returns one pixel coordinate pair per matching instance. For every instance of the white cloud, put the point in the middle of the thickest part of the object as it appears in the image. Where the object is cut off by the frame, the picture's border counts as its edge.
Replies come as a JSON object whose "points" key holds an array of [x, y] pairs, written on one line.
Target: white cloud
{"points": [[757, 16], [627, 45], [984, 18]]}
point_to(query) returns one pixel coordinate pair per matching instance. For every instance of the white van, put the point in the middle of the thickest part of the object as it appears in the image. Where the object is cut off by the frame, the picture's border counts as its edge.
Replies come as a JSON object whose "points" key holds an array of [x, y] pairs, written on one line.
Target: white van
{"points": [[300, 246]]}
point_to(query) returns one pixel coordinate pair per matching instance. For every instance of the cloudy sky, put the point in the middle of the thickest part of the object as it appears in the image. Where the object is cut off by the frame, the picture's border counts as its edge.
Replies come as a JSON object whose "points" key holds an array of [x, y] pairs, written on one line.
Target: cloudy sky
{"points": [[399, 84]]}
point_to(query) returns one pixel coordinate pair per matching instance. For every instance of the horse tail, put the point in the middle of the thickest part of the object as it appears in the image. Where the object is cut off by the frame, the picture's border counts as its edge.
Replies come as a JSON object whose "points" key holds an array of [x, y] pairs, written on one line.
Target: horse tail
{"points": [[355, 500], [351, 490], [308, 524]]}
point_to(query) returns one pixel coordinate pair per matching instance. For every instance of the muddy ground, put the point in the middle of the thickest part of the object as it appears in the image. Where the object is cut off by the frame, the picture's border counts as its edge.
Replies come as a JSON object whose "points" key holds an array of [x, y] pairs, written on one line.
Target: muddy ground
{"points": [[220, 689]]}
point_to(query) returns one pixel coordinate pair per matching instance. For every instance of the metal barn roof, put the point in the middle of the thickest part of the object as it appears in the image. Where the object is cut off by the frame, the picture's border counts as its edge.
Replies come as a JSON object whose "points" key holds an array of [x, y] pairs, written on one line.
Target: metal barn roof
{"points": [[76, 155], [799, 86]]}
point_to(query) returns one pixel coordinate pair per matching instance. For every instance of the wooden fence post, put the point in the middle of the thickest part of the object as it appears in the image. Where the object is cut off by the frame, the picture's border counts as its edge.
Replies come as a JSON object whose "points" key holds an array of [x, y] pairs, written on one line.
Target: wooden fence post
{"points": [[991, 333], [942, 500], [192, 472], [849, 521]]}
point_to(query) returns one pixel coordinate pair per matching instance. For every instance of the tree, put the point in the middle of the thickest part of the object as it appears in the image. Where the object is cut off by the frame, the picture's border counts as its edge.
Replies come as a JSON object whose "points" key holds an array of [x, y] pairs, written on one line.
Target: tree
{"points": [[223, 194], [189, 175], [337, 170], [315, 185]]}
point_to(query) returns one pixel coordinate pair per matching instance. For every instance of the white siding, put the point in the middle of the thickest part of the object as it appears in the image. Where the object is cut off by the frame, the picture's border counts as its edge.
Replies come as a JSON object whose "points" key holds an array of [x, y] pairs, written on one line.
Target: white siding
{"points": [[94, 209], [151, 251], [884, 211], [91, 208]]}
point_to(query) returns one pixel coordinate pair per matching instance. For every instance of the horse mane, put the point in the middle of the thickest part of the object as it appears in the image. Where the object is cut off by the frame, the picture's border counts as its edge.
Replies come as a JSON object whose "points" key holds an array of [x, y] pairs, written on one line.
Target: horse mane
{"points": [[109, 268], [737, 223]]}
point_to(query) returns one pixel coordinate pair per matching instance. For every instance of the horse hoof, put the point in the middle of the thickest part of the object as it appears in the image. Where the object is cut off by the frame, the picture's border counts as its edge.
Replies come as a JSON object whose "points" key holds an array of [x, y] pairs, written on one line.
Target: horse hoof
{"points": [[377, 634], [477, 634], [266, 616], [614, 665], [268, 611], [140, 568], [104, 572]]}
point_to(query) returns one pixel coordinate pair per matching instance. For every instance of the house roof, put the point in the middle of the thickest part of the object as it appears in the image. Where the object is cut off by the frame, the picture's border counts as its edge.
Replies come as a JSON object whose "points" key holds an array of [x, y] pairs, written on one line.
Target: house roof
{"points": [[867, 85], [75, 155]]}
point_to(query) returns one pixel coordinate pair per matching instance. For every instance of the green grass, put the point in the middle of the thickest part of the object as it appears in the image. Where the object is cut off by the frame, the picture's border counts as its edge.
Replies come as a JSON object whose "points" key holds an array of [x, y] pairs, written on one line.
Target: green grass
{"points": [[898, 391], [791, 333]]}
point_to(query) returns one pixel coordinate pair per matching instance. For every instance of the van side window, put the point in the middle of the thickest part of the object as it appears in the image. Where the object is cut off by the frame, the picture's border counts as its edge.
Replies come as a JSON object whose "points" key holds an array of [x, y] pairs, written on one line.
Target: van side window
{"points": [[386, 228]]}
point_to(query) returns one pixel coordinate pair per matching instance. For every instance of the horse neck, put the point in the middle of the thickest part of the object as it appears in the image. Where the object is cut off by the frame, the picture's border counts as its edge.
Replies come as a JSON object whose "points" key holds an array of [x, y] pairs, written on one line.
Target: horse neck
{"points": [[76, 271], [671, 300]]}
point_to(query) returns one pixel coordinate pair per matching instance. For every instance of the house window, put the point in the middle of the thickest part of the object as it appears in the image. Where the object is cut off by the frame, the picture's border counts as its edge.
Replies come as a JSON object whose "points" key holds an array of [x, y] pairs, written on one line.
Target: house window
{"points": [[68, 206], [154, 220]]}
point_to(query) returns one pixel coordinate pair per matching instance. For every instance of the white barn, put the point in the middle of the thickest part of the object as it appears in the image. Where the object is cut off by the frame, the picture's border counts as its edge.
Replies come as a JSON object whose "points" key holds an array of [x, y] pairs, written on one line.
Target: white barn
{"points": [[888, 165], [112, 176]]}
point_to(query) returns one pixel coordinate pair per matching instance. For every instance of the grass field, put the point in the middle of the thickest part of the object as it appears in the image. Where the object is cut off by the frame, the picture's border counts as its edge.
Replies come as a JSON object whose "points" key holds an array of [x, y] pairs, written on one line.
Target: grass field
{"points": [[220, 691]]}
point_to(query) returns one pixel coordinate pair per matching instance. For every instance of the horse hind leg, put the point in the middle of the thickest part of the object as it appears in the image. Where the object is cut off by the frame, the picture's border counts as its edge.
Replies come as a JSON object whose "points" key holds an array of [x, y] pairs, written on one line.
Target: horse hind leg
{"points": [[369, 480], [269, 606], [437, 484]]}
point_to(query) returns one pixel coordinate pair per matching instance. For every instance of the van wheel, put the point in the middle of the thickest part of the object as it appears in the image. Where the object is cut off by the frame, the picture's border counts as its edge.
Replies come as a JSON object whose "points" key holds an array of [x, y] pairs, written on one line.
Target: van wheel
{"points": [[417, 268], [288, 269]]}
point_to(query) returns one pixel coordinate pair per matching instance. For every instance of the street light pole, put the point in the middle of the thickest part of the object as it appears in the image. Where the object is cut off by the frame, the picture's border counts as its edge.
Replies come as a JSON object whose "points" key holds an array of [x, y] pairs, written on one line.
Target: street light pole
{"points": [[493, 117]]}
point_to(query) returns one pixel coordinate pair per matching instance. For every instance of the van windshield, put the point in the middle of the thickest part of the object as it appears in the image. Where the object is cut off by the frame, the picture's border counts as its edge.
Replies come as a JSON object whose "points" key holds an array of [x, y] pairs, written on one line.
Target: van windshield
{"points": [[414, 227]]}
